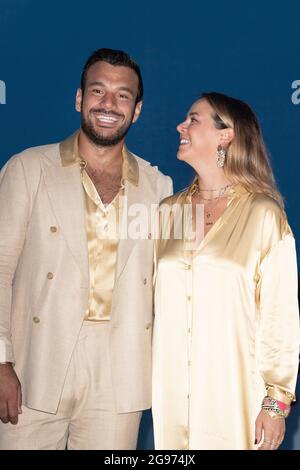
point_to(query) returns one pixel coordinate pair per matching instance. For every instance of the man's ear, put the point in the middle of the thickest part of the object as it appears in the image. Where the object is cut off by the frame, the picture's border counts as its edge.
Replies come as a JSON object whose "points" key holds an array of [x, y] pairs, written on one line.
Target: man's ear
{"points": [[78, 100], [137, 111]]}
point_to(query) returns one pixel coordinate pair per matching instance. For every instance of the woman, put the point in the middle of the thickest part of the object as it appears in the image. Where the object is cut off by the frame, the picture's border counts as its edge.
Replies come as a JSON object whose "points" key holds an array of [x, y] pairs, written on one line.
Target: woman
{"points": [[226, 330]]}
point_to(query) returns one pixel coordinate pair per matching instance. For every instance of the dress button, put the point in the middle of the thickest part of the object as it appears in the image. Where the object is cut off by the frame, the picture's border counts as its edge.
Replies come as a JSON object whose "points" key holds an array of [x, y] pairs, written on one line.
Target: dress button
{"points": [[50, 276], [36, 319], [53, 229], [82, 164]]}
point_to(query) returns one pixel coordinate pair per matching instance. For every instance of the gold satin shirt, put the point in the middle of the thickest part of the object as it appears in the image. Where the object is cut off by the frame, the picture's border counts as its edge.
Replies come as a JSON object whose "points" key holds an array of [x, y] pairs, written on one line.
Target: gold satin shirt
{"points": [[103, 238], [226, 329], [102, 232]]}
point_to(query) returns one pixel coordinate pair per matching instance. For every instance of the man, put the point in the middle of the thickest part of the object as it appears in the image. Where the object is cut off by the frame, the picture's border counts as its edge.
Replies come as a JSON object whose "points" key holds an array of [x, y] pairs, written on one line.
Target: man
{"points": [[76, 302]]}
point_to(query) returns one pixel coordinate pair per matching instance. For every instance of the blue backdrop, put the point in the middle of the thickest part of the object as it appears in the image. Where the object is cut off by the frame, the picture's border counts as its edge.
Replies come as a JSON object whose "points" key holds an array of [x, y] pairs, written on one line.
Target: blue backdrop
{"points": [[247, 49]]}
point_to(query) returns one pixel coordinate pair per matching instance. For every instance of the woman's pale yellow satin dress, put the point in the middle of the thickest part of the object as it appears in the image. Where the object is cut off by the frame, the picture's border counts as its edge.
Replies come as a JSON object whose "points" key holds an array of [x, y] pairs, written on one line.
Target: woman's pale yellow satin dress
{"points": [[226, 324]]}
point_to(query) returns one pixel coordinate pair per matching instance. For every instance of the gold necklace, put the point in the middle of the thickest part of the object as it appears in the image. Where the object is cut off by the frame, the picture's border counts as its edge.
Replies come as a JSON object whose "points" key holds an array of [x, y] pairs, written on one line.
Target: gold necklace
{"points": [[222, 192], [212, 203], [209, 216]]}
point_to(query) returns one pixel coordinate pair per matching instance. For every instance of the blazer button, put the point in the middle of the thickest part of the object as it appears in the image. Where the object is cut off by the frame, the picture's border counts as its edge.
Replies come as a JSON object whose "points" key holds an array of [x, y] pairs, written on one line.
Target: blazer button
{"points": [[145, 281], [50, 276], [36, 319], [148, 326], [53, 229]]}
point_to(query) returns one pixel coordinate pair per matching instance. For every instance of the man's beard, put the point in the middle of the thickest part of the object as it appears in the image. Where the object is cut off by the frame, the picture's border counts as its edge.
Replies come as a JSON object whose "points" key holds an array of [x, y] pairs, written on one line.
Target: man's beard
{"points": [[101, 140]]}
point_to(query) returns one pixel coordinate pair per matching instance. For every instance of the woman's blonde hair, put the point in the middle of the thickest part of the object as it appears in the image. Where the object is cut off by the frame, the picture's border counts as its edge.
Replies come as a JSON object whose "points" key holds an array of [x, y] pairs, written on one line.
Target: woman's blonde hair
{"points": [[247, 161]]}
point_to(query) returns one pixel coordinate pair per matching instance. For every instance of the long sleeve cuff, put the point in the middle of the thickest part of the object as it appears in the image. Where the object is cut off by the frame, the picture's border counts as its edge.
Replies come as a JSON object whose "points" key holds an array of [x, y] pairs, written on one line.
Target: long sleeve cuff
{"points": [[280, 394], [6, 353]]}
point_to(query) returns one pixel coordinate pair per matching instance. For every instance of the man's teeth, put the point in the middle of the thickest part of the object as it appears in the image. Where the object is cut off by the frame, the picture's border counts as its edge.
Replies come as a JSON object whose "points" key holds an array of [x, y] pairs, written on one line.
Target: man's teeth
{"points": [[184, 141], [104, 118]]}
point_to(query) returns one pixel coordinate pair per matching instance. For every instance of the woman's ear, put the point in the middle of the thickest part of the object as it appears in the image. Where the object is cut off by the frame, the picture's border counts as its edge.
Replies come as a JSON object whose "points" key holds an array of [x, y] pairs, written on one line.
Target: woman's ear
{"points": [[226, 136]]}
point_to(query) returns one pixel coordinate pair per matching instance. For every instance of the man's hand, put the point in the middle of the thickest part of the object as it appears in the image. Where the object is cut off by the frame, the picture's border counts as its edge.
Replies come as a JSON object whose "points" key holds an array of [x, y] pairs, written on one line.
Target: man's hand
{"points": [[10, 394], [270, 430]]}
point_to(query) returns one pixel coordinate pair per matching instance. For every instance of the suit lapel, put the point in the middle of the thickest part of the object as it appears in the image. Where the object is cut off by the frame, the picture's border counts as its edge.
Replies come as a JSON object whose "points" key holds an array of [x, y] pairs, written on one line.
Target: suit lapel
{"points": [[143, 195], [66, 195], [65, 191], [126, 243]]}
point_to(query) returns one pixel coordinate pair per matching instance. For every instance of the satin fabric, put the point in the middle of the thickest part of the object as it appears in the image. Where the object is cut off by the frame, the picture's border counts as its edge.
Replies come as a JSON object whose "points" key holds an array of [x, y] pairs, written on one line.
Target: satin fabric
{"points": [[103, 229], [103, 238], [226, 324]]}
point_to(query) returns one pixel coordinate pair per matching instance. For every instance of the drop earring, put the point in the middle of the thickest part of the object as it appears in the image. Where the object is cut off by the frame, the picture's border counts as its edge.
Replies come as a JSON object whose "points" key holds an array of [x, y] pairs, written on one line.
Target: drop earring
{"points": [[221, 152]]}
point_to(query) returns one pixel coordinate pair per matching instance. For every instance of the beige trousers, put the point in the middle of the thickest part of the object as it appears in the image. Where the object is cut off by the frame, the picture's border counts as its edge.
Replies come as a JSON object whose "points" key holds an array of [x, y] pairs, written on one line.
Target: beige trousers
{"points": [[86, 418]]}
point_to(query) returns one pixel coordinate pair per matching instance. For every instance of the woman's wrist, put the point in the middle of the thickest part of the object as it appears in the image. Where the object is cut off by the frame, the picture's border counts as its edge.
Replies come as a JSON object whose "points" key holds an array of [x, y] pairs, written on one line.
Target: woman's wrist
{"points": [[275, 408]]}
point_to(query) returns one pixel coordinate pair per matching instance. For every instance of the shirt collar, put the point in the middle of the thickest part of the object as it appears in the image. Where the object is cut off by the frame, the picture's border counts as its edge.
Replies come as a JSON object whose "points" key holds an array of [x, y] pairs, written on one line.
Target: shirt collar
{"points": [[69, 154]]}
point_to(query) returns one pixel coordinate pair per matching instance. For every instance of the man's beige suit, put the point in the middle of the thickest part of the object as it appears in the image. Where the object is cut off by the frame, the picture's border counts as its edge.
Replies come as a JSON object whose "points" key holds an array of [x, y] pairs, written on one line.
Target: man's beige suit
{"points": [[44, 279]]}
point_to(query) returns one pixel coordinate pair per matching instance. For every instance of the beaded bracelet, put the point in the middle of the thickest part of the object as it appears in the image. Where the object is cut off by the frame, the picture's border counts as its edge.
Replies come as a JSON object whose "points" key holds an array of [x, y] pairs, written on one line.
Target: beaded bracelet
{"points": [[275, 408]]}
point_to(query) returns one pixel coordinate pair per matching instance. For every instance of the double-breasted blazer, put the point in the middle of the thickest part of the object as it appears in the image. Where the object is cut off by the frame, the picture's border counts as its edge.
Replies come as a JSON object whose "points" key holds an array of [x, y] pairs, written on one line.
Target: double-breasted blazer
{"points": [[44, 278]]}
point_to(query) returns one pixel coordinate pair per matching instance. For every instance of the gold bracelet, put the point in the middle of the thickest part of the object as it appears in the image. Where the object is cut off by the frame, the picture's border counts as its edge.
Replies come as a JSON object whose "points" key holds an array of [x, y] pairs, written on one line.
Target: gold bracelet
{"points": [[273, 415], [274, 407]]}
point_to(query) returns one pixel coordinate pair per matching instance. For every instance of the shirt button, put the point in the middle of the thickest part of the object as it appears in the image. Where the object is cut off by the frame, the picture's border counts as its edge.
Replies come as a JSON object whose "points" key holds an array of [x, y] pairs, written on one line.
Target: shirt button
{"points": [[187, 266], [145, 281], [189, 363], [149, 236], [36, 319], [189, 330], [50, 276], [148, 326], [188, 297], [53, 229], [188, 396]]}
